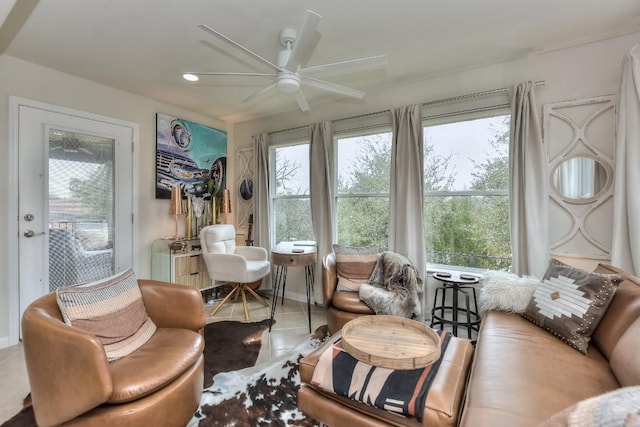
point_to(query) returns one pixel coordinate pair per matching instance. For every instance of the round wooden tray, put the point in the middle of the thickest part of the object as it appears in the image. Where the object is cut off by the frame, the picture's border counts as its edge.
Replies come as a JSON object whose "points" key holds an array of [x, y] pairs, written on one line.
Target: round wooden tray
{"points": [[391, 342]]}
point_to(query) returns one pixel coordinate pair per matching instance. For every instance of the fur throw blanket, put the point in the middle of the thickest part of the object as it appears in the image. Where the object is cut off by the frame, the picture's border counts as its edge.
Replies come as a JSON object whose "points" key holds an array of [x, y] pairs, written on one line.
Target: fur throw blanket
{"points": [[393, 287], [505, 291]]}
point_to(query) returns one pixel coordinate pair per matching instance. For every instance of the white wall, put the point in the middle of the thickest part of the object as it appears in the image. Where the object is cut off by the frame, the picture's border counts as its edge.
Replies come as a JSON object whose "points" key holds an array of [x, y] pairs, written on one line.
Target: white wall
{"points": [[575, 73], [26, 80]]}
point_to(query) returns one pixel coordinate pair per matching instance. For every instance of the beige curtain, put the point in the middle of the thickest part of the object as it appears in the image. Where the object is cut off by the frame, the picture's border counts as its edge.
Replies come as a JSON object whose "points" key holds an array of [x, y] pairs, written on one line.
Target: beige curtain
{"points": [[527, 185], [406, 211], [625, 244], [261, 203], [321, 159]]}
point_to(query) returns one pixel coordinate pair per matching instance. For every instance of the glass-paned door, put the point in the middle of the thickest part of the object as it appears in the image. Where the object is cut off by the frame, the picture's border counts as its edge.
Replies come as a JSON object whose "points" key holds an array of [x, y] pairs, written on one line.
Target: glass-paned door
{"points": [[81, 208], [75, 199]]}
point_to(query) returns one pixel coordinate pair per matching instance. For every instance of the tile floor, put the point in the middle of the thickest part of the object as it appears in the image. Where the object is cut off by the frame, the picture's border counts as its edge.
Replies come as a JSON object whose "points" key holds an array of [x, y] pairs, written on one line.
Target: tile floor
{"points": [[290, 329]]}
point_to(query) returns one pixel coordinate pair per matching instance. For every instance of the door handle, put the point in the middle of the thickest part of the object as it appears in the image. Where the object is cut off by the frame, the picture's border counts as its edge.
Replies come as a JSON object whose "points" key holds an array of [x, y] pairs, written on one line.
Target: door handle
{"points": [[31, 233]]}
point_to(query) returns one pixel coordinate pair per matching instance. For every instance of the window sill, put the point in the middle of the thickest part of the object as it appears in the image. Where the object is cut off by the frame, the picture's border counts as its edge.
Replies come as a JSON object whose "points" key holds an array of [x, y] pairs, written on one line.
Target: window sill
{"points": [[432, 268]]}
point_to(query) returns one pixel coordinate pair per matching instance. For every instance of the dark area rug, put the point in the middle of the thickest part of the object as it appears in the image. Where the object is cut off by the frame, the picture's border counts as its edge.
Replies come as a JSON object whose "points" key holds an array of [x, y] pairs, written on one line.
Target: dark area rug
{"points": [[229, 346]]}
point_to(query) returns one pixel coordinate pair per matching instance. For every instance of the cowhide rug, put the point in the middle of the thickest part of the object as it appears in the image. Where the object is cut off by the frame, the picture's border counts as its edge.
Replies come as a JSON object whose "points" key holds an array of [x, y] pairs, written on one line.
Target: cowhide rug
{"points": [[263, 395], [229, 346]]}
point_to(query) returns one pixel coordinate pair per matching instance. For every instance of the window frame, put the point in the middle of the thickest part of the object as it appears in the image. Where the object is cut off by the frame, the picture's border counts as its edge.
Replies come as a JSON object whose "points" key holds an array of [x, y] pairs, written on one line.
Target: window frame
{"points": [[457, 117], [354, 133], [273, 196]]}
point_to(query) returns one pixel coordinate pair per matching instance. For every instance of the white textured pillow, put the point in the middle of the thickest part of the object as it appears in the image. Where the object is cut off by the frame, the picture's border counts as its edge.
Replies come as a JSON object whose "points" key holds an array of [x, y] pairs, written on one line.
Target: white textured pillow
{"points": [[506, 292], [619, 407]]}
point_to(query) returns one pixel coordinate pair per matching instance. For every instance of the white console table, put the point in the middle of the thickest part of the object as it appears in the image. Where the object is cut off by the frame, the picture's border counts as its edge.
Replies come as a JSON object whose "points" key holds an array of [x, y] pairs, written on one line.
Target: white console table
{"points": [[185, 266]]}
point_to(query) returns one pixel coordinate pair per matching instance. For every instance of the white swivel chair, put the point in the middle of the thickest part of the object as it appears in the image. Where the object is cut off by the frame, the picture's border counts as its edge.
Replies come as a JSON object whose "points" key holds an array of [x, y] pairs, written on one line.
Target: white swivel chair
{"points": [[227, 262]]}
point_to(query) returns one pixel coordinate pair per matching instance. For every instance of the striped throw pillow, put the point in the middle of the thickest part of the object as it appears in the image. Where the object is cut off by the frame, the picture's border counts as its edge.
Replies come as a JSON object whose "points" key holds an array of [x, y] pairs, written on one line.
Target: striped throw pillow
{"points": [[112, 309], [354, 265]]}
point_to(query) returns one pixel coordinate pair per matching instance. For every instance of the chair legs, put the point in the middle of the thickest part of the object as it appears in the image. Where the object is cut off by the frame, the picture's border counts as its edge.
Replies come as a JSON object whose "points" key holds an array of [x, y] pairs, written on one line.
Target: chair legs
{"points": [[233, 292], [240, 289], [256, 296]]}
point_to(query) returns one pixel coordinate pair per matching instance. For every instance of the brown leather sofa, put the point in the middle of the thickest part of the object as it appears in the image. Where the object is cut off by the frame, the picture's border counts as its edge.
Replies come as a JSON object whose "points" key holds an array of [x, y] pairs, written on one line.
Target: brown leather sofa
{"points": [[341, 306], [522, 375], [158, 384]]}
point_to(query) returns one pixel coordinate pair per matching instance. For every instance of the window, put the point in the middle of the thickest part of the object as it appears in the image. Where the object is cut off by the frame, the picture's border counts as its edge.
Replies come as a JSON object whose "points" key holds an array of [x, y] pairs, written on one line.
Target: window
{"points": [[466, 193], [291, 208], [466, 188], [362, 193]]}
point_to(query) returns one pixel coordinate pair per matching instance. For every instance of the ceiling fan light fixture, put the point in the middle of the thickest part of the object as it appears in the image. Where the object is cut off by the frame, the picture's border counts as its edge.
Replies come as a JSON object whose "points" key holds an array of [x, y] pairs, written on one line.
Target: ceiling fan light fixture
{"points": [[288, 82], [190, 77]]}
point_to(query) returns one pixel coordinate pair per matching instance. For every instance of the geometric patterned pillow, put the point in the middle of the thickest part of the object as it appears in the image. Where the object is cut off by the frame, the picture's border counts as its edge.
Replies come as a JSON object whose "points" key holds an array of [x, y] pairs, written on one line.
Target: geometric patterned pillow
{"points": [[111, 309], [354, 265], [570, 302]]}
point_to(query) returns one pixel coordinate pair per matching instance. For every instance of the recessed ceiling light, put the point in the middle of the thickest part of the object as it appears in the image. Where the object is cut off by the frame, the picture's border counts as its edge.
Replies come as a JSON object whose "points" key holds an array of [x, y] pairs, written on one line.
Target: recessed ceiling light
{"points": [[190, 77]]}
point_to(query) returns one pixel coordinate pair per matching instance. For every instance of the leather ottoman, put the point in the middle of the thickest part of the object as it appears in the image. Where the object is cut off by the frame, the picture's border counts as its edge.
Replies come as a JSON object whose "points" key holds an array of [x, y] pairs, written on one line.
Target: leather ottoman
{"points": [[442, 406]]}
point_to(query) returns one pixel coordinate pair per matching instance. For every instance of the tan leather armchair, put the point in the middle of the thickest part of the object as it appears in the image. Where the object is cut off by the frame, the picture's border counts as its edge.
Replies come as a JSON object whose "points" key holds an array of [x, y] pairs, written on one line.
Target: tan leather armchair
{"points": [[160, 383], [341, 306]]}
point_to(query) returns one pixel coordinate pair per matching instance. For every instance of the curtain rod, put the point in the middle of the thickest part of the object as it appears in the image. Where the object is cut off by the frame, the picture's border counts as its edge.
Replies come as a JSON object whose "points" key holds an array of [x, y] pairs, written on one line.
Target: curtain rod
{"points": [[475, 95], [424, 104]]}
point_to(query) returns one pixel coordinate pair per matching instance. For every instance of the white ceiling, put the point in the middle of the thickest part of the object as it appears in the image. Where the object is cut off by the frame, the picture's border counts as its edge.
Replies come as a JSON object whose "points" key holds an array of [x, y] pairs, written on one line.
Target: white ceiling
{"points": [[144, 46]]}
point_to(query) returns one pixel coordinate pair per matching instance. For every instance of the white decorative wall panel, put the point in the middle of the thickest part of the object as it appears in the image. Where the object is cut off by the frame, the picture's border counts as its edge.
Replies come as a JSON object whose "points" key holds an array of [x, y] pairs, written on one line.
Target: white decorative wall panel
{"points": [[580, 140], [244, 198]]}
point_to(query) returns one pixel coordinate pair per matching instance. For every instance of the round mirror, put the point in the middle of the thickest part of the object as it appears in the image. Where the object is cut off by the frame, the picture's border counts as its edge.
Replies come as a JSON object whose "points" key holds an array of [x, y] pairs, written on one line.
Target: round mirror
{"points": [[581, 179], [246, 189]]}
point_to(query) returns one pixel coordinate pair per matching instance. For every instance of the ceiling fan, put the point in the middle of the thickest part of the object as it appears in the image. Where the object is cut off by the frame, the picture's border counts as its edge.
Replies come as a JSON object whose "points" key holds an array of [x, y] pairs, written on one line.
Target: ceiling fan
{"points": [[286, 72]]}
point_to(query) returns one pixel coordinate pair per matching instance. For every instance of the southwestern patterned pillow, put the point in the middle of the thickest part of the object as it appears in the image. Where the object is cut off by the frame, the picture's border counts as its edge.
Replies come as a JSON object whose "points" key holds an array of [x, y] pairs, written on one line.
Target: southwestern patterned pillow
{"points": [[111, 309], [354, 265], [570, 302]]}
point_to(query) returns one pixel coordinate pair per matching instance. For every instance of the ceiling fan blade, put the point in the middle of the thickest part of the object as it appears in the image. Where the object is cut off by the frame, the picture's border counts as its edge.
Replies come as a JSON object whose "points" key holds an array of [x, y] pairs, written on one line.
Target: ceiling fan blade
{"points": [[303, 40], [260, 92], [301, 100], [226, 39], [215, 73], [332, 87], [362, 64]]}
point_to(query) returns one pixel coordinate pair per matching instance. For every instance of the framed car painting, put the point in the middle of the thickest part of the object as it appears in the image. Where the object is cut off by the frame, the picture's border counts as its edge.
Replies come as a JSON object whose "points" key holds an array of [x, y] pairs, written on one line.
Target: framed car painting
{"points": [[189, 155]]}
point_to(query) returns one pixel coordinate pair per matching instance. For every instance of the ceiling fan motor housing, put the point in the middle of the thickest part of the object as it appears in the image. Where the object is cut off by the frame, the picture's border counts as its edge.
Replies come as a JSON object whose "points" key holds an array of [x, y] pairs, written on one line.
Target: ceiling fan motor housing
{"points": [[287, 39], [283, 57]]}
